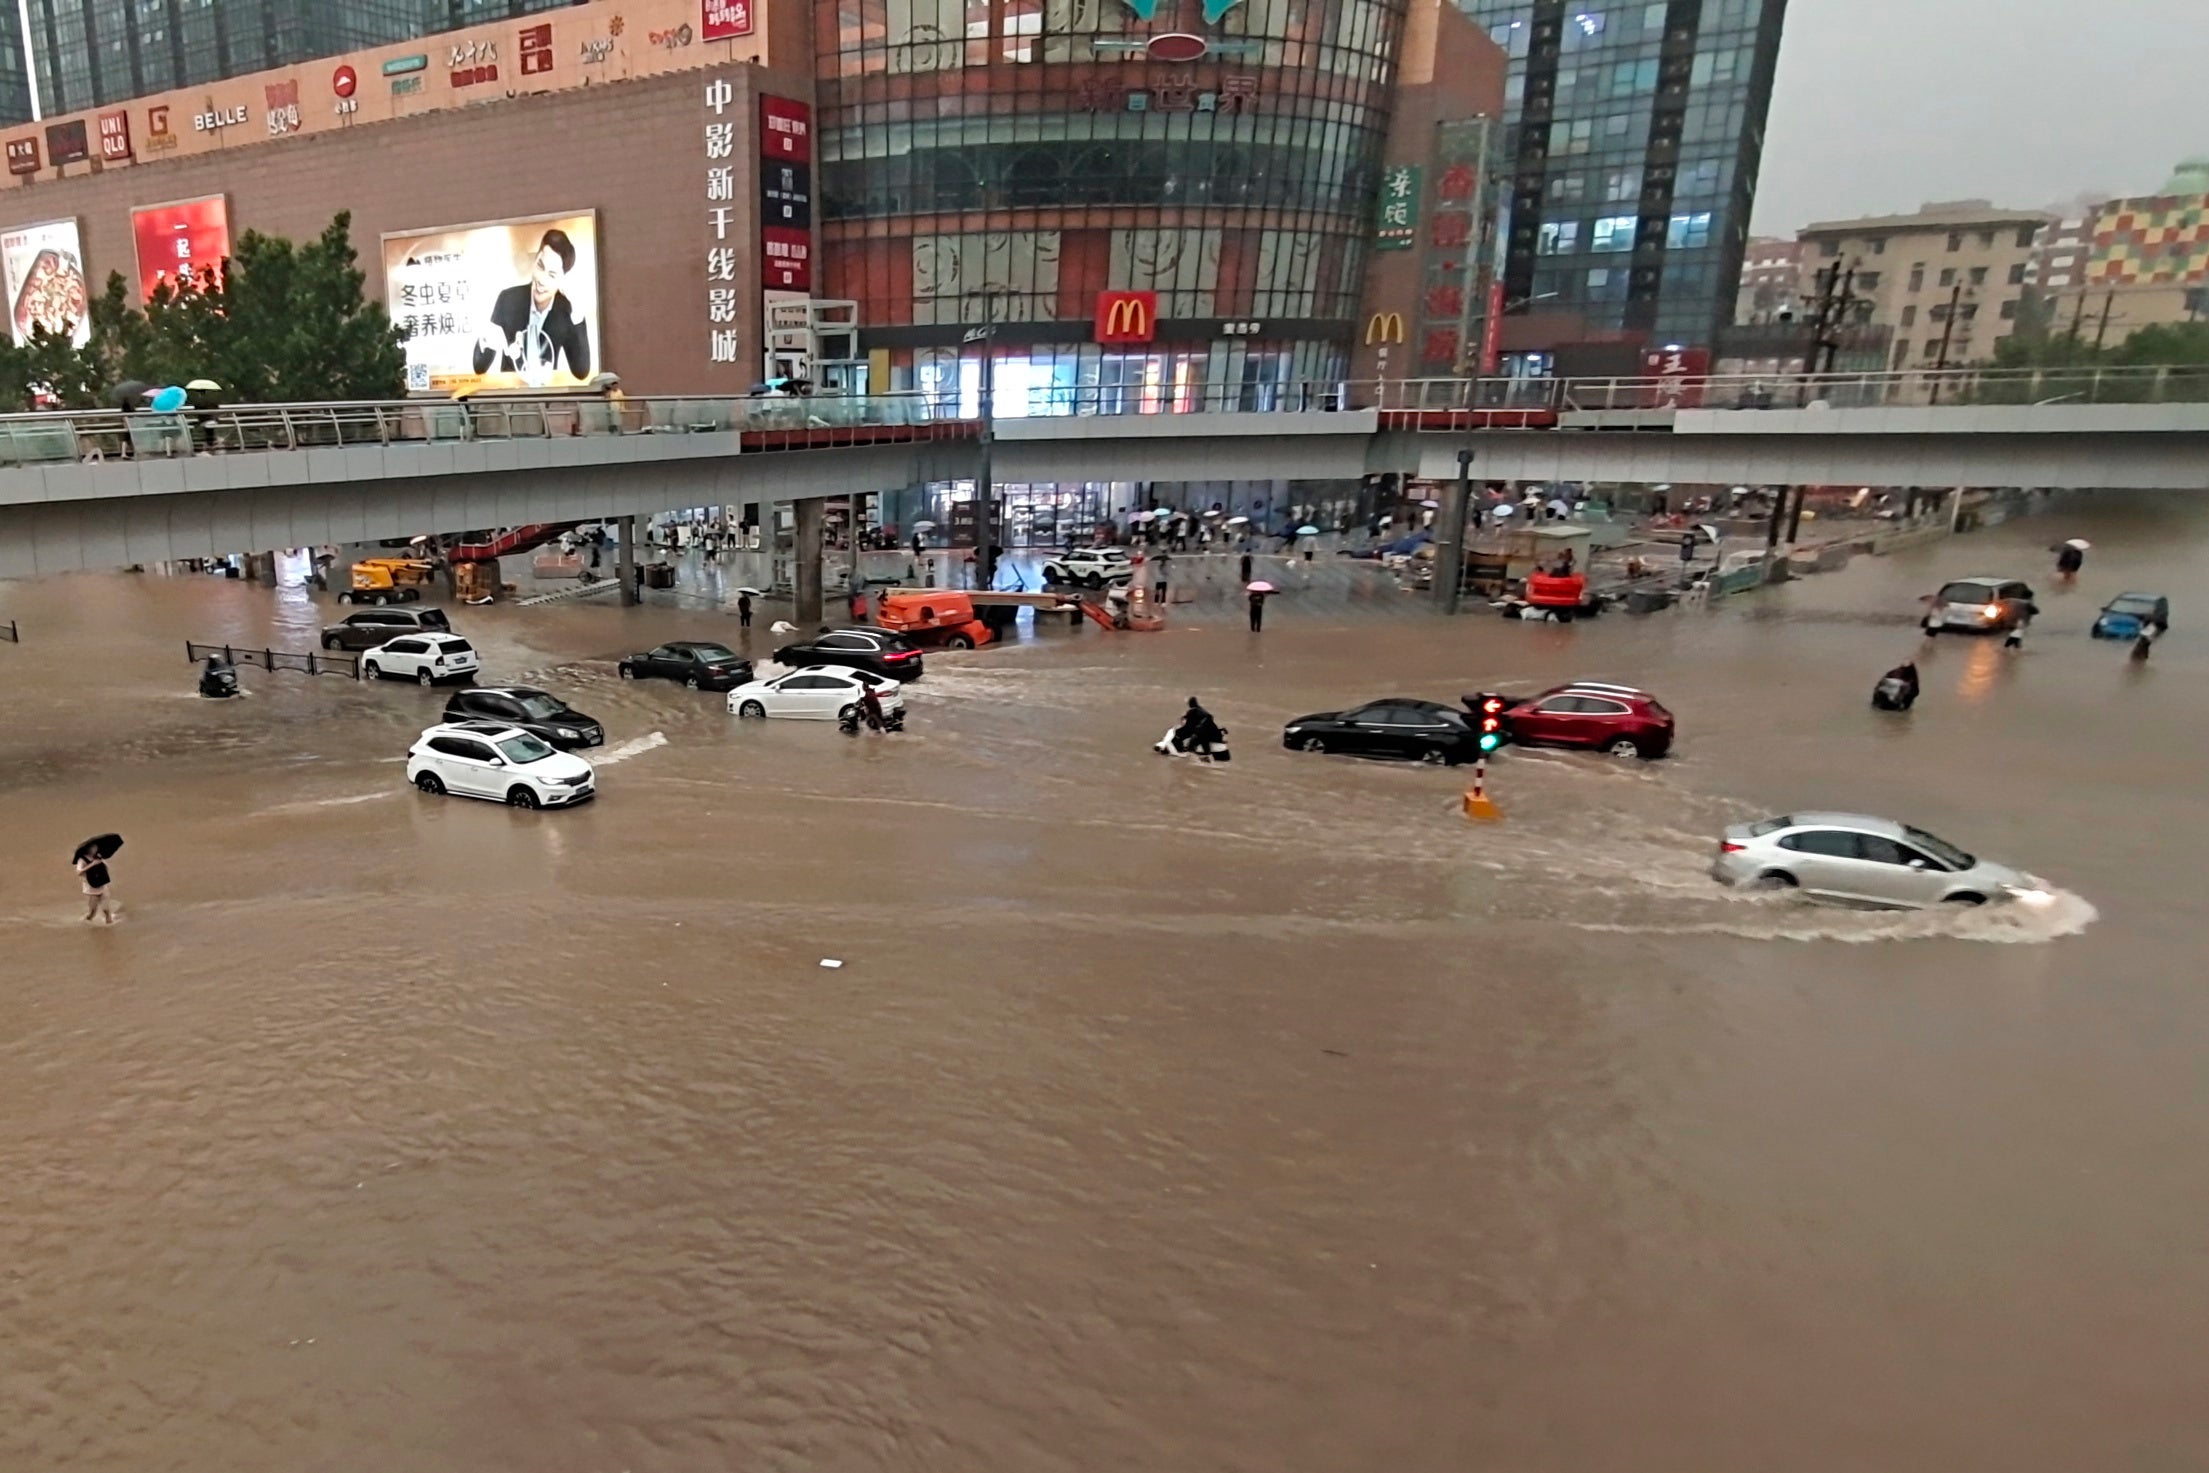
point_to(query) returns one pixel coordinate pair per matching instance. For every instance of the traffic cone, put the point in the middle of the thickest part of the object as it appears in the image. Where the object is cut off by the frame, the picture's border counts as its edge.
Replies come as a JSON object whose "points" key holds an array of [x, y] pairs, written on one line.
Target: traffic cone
{"points": [[1477, 802]]}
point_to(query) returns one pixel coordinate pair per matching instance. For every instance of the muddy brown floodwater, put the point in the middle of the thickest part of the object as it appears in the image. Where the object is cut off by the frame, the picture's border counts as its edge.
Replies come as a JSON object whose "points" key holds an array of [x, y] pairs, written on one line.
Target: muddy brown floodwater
{"points": [[1267, 1117]]}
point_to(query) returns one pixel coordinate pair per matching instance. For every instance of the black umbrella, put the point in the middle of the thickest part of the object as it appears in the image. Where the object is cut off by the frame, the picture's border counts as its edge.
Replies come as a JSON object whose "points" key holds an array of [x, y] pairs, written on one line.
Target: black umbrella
{"points": [[129, 394], [100, 846]]}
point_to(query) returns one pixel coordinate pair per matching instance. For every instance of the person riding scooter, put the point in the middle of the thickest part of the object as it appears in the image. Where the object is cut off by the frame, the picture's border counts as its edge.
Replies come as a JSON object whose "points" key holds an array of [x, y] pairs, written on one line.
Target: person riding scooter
{"points": [[1198, 735], [1897, 689]]}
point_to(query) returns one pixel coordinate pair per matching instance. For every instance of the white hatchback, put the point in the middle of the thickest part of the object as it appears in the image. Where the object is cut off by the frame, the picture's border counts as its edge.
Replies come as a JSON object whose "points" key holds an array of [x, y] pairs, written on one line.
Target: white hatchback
{"points": [[489, 759], [425, 658], [814, 693]]}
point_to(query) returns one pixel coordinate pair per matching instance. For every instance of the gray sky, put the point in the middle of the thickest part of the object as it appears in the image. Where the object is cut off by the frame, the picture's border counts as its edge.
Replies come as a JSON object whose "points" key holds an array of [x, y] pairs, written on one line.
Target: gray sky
{"points": [[1884, 104]]}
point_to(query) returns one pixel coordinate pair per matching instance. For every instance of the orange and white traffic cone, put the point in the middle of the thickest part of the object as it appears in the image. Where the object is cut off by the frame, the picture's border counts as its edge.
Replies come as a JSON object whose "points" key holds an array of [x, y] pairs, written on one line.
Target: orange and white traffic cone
{"points": [[1477, 802]]}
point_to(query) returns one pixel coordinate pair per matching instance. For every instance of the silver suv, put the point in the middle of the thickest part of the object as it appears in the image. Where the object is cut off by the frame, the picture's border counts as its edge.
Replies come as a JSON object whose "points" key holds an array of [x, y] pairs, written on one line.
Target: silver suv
{"points": [[1860, 860]]}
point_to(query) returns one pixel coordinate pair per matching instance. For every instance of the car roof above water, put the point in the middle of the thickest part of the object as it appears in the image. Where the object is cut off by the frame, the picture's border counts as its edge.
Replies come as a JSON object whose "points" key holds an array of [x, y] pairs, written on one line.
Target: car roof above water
{"points": [[1861, 822]]}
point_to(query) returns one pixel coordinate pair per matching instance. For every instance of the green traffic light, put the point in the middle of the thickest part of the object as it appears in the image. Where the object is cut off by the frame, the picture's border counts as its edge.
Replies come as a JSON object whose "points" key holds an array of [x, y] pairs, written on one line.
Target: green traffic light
{"points": [[1489, 741]]}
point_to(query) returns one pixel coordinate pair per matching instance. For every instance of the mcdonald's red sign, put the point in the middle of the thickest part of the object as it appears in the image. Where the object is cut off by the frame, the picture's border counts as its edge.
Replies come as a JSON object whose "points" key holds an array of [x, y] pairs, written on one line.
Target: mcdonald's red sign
{"points": [[1127, 317]]}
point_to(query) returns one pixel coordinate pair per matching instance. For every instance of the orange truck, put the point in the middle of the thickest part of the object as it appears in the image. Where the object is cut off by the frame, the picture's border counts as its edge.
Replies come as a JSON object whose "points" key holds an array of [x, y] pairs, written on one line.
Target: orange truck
{"points": [[933, 617]]}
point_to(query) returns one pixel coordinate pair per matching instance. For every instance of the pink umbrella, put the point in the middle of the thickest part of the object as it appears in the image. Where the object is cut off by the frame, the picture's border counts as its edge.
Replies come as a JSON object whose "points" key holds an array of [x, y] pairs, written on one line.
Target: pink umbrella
{"points": [[1261, 586]]}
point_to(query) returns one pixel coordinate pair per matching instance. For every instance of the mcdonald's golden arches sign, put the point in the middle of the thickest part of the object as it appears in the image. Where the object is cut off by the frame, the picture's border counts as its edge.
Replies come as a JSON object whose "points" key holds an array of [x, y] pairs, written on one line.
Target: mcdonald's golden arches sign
{"points": [[1127, 317], [1384, 327]]}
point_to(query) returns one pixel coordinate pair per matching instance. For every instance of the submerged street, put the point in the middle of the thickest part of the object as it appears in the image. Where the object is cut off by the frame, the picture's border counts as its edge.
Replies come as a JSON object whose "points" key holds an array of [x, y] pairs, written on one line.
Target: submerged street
{"points": [[1159, 1117]]}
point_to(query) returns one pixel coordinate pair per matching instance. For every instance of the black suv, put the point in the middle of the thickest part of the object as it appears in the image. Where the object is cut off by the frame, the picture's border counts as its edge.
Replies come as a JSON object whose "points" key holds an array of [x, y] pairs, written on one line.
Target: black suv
{"points": [[874, 650], [534, 711], [365, 631]]}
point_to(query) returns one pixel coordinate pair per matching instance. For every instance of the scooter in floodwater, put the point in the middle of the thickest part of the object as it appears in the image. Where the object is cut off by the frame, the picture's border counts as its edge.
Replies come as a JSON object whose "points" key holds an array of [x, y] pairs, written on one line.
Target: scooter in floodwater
{"points": [[218, 678], [1897, 689], [851, 720], [1177, 744]]}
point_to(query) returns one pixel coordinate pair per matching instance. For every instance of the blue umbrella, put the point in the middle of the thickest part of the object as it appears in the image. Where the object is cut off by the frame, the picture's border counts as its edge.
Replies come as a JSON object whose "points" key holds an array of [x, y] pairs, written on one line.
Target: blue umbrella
{"points": [[169, 400]]}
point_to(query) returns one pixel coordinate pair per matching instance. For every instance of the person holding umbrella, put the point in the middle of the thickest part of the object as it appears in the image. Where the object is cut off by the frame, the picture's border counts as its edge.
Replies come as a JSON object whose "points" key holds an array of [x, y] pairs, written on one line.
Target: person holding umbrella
{"points": [[90, 861], [1258, 592]]}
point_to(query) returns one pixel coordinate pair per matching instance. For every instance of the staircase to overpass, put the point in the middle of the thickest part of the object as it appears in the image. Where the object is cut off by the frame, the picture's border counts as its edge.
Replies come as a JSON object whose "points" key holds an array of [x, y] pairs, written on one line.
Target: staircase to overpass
{"points": [[107, 489]]}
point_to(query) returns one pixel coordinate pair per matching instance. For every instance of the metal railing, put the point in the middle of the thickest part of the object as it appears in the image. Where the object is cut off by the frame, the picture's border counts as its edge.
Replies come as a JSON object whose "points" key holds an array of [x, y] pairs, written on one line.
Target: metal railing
{"points": [[827, 420], [310, 663]]}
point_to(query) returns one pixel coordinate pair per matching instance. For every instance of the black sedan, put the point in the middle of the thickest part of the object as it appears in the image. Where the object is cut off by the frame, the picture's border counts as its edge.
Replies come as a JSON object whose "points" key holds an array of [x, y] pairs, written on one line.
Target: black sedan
{"points": [[1399, 727], [699, 664], [874, 650], [546, 717]]}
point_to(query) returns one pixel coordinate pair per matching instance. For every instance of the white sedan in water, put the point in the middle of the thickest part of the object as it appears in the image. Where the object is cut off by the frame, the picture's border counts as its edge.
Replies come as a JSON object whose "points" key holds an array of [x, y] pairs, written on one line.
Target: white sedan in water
{"points": [[813, 693]]}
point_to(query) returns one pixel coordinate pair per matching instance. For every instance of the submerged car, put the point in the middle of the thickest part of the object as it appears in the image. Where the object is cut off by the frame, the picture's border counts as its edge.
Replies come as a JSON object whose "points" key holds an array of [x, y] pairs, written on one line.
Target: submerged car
{"points": [[1617, 719], [876, 651], [1401, 727], [533, 710], [425, 658], [817, 693], [699, 664], [1980, 606], [1857, 859], [2124, 616], [489, 759]]}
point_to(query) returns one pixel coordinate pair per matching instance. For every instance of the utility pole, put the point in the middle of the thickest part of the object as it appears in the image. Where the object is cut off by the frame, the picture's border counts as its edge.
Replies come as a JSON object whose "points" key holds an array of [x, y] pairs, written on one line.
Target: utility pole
{"points": [[1836, 291], [985, 522], [1449, 545], [2102, 331], [1948, 334], [2078, 316]]}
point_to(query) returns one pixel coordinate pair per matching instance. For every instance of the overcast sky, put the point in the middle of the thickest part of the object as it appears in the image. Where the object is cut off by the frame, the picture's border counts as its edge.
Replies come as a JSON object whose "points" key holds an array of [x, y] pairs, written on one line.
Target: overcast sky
{"points": [[1884, 104]]}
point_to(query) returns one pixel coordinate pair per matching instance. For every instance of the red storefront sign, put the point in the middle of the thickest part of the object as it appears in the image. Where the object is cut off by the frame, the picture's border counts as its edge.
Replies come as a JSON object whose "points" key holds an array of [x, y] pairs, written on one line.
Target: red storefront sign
{"points": [[115, 136], [785, 258], [718, 20], [22, 155], [785, 130], [192, 235], [1491, 337], [66, 143], [1680, 375], [1127, 317]]}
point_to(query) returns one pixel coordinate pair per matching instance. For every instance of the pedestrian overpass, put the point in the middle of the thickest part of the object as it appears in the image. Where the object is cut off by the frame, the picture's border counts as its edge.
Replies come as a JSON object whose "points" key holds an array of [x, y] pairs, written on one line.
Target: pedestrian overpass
{"points": [[98, 490]]}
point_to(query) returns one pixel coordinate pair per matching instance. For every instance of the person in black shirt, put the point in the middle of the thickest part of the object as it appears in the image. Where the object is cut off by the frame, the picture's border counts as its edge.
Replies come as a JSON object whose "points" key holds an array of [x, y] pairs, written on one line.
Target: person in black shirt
{"points": [[92, 870], [533, 326]]}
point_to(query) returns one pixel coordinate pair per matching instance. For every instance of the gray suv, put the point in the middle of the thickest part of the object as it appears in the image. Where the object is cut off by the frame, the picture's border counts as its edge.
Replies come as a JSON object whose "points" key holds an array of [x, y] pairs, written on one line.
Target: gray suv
{"points": [[366, 630]]}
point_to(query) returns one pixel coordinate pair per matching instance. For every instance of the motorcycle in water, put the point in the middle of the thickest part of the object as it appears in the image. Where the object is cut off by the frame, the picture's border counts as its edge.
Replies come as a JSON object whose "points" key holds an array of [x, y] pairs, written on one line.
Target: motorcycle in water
{"points": [[1897, 689], [218, 678], [1175, 744], [851, 720]]}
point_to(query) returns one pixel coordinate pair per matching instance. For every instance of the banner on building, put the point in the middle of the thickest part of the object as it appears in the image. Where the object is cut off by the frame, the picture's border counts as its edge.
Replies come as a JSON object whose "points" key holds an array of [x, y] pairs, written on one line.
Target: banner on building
{"points": [[1677, 377], [68, 143], [1127, 317], [504, 304], [1397, 225], [190, 235], [718, 20], [42, 268]]}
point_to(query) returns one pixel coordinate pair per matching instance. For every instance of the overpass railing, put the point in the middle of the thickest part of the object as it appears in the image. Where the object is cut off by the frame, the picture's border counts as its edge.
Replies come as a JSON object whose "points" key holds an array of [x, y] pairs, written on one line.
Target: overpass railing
{"points": [[98, 435]]}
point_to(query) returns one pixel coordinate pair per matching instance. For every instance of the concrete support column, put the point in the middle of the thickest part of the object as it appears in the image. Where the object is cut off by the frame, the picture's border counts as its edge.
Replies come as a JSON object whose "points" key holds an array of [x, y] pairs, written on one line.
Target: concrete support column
{"points": [[1449, 536], [805, 572], [260, 567], [625, 561]]}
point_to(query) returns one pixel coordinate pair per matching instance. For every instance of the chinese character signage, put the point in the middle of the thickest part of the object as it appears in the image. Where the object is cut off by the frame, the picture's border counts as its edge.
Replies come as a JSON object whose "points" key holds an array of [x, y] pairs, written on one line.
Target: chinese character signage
{"points": [[67, 143], [785, 194], [1680, 376], [1126, 317], [536, 49], [718, 20], [283, 107], [115, 137], [785, 130], [190, 236], [1397, 225], [23, 156], [510, 304], [159, 137], [42, 268], [785, 259]]}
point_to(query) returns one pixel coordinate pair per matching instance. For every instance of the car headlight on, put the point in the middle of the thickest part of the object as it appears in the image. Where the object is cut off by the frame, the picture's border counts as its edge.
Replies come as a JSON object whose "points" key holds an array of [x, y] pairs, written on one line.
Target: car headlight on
{"points": [[568, 734]]}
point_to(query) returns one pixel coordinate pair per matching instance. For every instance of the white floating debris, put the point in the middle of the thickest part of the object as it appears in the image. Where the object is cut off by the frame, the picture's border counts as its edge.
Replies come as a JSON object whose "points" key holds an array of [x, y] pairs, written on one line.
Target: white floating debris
{"points": [[830, 962]]}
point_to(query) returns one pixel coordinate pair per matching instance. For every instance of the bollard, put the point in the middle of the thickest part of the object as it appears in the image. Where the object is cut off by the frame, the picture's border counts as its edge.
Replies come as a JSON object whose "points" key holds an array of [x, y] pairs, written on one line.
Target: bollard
{"points": [[1477, 802]]}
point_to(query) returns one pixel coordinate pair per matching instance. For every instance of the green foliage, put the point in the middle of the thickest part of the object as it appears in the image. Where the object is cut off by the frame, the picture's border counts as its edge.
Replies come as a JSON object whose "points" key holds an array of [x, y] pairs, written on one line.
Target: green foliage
{"points": [[281, 324]]}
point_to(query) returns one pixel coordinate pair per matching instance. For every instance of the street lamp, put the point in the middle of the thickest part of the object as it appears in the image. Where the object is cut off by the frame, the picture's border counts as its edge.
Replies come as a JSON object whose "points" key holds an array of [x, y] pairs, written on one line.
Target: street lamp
{"points": [[985, 520]]}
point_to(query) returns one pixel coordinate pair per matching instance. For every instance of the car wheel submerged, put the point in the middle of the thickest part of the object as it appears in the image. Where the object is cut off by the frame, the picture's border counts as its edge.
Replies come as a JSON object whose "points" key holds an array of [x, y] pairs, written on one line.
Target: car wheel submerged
{"points": [[627, 673], [751, 711], [690, 682], [1967, 899], [1311, 744], [1777, 879], [1624, 747], [429, 782], [423, 677], [960, 642], [520, 797], [370, 671]]}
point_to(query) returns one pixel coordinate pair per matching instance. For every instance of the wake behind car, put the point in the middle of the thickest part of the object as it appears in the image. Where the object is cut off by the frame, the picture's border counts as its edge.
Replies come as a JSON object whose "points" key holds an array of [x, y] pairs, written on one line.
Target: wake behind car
{"points": [[815, 693], [876, 651], [1857, 859], [543, 716], [1091, 567], [489, 759], [699, 664], [1617, 719], [364, 631], [1979, 606], [423, 658], [1400, 727]]}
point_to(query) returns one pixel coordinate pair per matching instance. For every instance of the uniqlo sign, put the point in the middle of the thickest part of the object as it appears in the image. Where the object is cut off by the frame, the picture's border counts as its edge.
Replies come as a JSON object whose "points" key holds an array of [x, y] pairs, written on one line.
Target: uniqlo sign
{"points": [[785, 131], [785, 259], [1127, 317], [718, 20]]}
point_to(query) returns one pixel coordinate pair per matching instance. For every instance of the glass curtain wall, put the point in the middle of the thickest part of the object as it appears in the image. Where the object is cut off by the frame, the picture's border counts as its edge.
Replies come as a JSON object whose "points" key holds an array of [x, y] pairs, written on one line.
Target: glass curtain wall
{"points": [[1636, 133]]}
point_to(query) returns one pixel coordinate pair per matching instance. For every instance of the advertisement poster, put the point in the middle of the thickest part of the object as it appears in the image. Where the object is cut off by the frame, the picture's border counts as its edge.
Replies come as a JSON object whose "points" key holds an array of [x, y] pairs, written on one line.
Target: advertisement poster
{"points": [[718, 20], [68, 143], [42, 268], [192, 234], [508, 304]]}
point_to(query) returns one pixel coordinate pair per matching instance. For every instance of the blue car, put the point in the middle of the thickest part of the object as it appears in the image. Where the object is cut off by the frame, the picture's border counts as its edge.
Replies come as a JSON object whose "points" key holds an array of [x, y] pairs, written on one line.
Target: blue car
{"points": [[2123, 616]]}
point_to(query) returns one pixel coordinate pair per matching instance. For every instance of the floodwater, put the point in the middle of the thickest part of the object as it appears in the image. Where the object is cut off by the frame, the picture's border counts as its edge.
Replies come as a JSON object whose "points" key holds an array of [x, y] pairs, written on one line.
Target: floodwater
{"points": [[1267, 1117]]}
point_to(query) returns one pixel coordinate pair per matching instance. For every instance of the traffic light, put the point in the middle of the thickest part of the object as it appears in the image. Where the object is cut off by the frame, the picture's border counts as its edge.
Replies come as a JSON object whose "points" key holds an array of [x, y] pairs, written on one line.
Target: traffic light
{"points": [[1489, 710]]}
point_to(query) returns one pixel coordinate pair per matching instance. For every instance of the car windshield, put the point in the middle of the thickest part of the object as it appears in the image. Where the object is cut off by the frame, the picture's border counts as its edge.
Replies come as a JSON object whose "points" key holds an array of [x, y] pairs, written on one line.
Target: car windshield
{"points": [[1940, 849], [540, 707], [1770, 826], [714, 654], [1966, 593], [524, 749], [2132, 603]]}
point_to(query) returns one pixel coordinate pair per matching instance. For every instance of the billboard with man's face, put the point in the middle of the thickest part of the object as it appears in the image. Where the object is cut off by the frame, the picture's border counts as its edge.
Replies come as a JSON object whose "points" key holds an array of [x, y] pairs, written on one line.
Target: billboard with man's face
{"points": [[509, 304], [42, 268]]}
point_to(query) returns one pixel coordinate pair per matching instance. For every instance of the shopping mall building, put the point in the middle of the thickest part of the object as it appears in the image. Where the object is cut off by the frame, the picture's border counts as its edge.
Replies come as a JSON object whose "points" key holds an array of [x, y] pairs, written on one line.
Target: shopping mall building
{"points": [[1151, 204]]}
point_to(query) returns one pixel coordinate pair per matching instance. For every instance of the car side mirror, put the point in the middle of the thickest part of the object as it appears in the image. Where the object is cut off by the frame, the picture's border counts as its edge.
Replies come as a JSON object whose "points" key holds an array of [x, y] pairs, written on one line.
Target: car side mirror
{"points": [[1917, 864]]}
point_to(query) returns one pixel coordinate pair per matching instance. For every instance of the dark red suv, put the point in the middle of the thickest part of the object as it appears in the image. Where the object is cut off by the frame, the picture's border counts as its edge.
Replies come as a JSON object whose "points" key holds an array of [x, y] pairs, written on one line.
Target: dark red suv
{"points": [[1608, 718]]}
